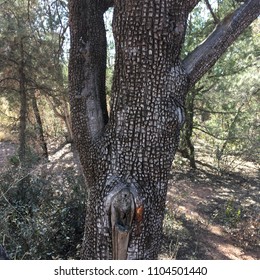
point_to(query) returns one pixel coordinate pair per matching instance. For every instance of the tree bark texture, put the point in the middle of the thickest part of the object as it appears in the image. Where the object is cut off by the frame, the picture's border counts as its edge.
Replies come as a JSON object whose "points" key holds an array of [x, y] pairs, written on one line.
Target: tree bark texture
{"points": [[87, 69], [127, 159]]}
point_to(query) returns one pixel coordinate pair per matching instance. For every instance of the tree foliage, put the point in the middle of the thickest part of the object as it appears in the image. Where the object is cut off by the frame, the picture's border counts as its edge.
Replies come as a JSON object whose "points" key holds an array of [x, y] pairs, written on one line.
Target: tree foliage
{"points": [[33, 36], [223, 104]]}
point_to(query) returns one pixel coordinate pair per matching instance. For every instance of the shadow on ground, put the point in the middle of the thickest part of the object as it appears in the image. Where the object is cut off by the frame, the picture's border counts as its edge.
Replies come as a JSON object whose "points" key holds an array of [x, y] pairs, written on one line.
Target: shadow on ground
{"points": [[212, 216], [208, 215]]}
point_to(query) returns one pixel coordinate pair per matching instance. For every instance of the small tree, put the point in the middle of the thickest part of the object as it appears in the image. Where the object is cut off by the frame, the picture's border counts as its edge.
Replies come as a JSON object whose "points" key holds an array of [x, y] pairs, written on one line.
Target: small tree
{"points": [[127, 158], [219, 108], [31, 31]]}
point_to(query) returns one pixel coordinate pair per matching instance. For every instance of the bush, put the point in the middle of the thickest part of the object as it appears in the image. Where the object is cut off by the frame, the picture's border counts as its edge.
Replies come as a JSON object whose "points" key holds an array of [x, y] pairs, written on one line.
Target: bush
{"points": [[42, 214]]}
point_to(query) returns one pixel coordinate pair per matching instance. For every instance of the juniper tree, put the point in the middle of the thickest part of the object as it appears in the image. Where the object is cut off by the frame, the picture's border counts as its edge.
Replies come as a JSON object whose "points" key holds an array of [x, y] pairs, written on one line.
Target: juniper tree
{"points": [[127, 156]]}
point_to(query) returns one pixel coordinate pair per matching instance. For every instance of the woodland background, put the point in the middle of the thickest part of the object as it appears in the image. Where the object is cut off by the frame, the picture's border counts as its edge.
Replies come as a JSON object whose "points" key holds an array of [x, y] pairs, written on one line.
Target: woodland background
{"points": [[213, 200]]}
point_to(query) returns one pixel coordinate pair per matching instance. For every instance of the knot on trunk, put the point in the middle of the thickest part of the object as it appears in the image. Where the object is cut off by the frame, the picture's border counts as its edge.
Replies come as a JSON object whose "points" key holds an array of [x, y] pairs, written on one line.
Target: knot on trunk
{"points": [[122, 209], [121, 215], [121, 205]]}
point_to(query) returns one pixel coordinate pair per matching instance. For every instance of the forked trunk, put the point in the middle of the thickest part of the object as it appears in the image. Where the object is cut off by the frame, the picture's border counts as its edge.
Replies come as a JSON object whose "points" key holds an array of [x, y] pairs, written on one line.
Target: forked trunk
{"points": [[127, 160]]}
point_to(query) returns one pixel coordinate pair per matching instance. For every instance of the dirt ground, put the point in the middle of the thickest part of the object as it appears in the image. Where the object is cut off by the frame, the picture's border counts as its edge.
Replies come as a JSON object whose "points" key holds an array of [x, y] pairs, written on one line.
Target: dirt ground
{"points": [[208, 215], [216, 216]]}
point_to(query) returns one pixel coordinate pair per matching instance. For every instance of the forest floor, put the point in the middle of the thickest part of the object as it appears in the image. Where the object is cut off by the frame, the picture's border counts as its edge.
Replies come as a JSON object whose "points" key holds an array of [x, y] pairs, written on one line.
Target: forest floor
{"points": [[209, 215]]}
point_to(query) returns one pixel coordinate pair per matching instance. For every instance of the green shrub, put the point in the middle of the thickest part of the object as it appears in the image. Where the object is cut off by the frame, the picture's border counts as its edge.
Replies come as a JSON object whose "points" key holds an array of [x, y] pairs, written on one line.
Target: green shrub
{"points": [[42, 214]]}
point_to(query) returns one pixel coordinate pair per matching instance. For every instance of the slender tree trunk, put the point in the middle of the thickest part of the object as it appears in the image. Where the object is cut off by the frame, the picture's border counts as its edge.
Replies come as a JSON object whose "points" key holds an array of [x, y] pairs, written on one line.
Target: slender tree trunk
{"points": [[23, 106], [186, 146], [24, 162], [39, 126], [67, 120]]}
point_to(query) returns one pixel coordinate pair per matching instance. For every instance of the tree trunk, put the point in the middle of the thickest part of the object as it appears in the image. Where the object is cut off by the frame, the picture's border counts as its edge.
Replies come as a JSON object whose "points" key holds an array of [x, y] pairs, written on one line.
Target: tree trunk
{"points": [[127, 162], [146, 116], [39, 126], [23, 106], [24, 162], [186, 146], [130, 163]]}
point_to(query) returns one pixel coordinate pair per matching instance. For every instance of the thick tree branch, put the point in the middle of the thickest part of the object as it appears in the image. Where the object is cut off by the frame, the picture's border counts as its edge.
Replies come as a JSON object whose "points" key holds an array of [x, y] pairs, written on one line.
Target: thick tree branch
{"points": [[198, 62], [87, 68]]}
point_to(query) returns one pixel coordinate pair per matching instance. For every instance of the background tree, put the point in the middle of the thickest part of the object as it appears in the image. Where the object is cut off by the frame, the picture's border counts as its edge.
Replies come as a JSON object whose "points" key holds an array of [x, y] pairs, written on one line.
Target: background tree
{"points": [[31, 31], [126, 160], [217, 95], [33, 89]]}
